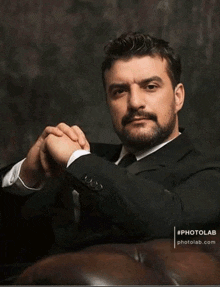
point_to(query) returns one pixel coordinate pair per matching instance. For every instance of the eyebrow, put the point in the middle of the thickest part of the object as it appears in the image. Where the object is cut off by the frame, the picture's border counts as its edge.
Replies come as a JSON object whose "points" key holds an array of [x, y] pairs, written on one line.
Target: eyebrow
{"points": [[140, 83], [151, 79]]}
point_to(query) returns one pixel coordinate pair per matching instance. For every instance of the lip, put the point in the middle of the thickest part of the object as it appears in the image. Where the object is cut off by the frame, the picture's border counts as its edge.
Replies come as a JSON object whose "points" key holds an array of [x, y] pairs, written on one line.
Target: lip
{"points": [[137, 120]]}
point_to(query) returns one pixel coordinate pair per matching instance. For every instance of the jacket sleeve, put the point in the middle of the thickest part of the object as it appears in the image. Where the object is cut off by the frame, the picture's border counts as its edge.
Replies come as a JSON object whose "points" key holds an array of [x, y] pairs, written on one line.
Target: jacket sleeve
{"points": [[21, 239], [144, 207]]}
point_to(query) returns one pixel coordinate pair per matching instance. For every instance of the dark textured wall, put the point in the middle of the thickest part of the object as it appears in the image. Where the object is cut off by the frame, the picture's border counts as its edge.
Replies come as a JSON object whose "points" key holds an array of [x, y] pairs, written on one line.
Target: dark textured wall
{"points": [[50, 56]]}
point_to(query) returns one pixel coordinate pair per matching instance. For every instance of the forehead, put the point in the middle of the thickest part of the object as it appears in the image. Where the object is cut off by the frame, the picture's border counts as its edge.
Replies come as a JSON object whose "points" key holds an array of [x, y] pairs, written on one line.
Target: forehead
{"points": [[136, 69]]}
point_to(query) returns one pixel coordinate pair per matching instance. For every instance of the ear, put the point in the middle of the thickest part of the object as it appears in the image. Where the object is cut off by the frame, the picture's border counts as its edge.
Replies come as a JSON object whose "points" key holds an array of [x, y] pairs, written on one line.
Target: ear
{"points": [[179, 94]]}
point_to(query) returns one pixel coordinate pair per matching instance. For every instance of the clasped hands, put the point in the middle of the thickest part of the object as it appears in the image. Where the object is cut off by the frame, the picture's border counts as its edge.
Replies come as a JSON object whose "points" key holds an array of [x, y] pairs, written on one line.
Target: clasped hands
{"points": [[50, 153]]}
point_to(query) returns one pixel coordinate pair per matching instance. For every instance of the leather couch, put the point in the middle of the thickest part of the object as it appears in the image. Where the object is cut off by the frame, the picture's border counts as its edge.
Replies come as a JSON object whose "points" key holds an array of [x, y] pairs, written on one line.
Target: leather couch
{"points": [[155, 262]]}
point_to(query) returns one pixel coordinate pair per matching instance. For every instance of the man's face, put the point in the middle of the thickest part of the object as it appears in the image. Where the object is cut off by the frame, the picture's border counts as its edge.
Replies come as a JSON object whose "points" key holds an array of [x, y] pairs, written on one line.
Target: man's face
{"points": [[142, 101]]}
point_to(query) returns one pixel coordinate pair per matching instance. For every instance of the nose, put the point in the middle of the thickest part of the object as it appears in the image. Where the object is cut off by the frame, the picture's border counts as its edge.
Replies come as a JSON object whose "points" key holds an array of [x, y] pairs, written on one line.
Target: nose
{"points": [[136, 98]]}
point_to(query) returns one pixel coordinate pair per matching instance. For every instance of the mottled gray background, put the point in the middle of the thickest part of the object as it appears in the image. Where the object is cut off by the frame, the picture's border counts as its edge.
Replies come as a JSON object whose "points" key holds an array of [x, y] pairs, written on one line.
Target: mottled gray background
{"points": [[50, 56]]}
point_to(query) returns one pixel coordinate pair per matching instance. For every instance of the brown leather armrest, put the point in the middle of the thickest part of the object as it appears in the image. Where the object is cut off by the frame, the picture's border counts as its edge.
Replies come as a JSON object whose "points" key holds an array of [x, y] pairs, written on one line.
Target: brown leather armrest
{"points": [[91, 267], [150, 263]]}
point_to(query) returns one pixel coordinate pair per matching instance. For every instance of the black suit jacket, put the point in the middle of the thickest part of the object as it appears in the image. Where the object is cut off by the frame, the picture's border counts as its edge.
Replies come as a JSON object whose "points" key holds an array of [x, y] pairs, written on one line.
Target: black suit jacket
{"points": [[173, 187]]}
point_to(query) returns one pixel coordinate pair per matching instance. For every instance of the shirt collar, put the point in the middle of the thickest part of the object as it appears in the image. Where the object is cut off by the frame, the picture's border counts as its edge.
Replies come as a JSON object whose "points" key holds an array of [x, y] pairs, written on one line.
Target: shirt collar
{"points": [[141, 154]]}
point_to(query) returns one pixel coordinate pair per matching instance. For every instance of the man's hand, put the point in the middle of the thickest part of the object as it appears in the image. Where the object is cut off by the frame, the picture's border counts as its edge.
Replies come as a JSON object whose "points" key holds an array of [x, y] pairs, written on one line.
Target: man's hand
{"points": [[32, 172], [57, 150], [51, 153], [75, 134]]}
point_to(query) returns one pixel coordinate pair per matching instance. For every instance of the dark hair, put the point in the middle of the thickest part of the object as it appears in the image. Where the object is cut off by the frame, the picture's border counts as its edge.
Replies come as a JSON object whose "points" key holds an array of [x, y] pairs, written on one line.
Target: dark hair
{"points": [[129, 45]]}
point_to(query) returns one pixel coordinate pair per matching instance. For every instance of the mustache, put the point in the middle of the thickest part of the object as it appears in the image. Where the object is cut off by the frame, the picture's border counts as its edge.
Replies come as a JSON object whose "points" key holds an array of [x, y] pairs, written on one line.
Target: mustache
{"points": [[131, 115]]}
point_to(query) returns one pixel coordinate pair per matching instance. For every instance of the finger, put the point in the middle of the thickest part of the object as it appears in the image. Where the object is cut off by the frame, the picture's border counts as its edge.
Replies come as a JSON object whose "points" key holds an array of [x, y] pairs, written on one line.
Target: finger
{"points": [[68, 131], [87, 146], [51, 130], [44, 160], [81, 136]]}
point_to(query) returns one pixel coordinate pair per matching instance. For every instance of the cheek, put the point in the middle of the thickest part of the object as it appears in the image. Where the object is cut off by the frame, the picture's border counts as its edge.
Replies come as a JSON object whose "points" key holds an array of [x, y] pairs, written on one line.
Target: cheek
{"points": [[166, 111], [117, 112]]}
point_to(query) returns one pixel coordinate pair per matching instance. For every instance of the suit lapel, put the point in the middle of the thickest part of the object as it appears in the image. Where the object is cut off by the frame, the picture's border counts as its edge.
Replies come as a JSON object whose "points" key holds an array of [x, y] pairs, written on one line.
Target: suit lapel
{"points": [[167, 155], [170, 153]]}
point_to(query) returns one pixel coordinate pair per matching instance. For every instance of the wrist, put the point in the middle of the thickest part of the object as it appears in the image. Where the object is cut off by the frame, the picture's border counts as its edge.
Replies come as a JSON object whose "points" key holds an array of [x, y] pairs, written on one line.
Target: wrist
{"points": [[35, 187], [30, 177], [76, 154]]}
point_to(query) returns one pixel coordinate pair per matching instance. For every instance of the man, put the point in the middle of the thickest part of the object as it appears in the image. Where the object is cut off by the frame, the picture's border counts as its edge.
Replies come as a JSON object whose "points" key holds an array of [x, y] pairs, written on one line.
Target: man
{"points": [[87, 193]]}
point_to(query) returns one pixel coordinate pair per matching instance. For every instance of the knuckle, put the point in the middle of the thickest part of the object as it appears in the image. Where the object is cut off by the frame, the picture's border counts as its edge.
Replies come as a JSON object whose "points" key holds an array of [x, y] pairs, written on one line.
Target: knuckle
{"points": [[48, 128], [77, 129], [60, 125]]}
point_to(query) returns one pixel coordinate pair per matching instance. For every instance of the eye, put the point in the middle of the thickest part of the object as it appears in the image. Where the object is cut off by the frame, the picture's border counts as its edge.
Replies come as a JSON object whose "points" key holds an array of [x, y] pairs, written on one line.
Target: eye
{"points": [[151, 87], [118, 92]]}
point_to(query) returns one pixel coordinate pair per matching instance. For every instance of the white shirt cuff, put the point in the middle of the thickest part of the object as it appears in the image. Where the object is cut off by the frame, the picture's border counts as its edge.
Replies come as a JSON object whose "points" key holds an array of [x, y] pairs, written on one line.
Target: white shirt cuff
{"points": [[12, 177], [77, 154]]}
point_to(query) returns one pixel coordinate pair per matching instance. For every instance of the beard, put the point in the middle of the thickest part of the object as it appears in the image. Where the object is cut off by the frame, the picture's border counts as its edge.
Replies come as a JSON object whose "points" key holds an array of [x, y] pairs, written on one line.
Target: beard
{"points": [[147, 139]]}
